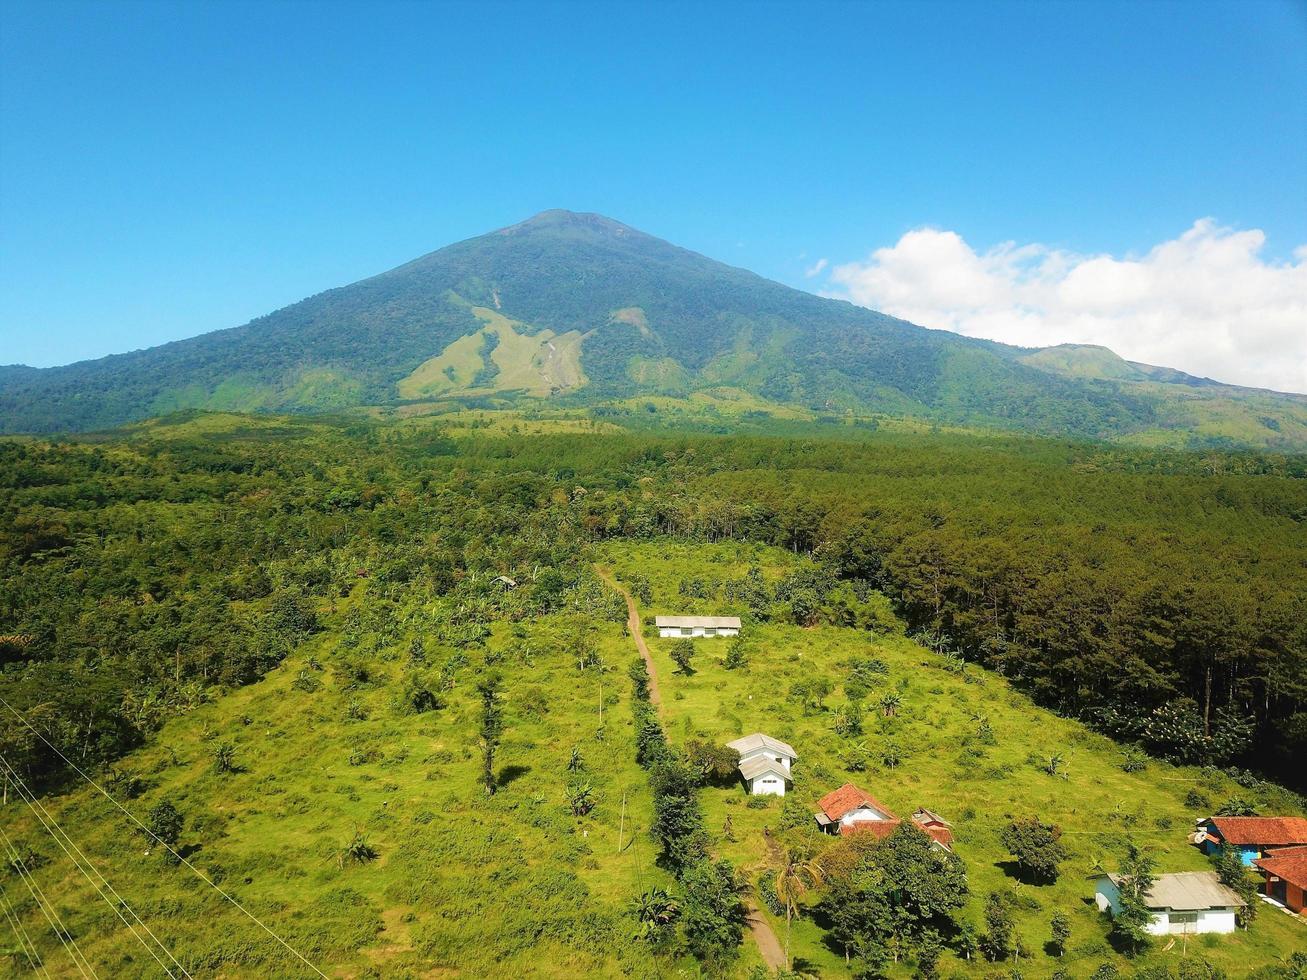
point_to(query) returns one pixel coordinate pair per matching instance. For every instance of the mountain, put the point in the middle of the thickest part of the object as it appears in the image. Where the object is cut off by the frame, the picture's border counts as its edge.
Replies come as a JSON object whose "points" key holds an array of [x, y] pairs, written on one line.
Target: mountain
{"points": [[579, 309]]}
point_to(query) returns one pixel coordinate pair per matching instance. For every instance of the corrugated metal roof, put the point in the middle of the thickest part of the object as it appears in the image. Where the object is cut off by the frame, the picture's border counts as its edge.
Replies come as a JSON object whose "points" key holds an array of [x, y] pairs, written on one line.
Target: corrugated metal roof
{"points": [[1187, 891], [700, 622], [756, 741], [751, 769]]}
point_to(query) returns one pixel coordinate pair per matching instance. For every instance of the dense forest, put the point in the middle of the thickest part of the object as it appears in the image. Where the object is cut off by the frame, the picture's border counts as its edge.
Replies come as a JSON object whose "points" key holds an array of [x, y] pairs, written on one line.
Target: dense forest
{"points": [[1159, 596]]}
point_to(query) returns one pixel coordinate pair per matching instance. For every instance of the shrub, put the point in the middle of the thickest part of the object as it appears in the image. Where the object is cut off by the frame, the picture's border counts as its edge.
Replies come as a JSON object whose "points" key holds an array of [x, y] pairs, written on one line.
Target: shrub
{"points": [[357, 851], [682, 653], [164, 823], [766, 889], [712, 915], [1236, 806], [1037, 847], [224, 759], [717, 764]]}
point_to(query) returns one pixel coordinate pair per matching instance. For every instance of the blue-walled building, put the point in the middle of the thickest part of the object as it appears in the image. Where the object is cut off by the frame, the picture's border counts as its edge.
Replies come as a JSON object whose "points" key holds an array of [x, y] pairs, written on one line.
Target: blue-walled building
{"points": [[1250, 837]]}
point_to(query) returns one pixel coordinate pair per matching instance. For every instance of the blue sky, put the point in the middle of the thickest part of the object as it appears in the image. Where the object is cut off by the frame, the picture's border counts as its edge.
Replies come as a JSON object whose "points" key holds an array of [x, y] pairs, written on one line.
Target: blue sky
{"points": [[168, 169]]}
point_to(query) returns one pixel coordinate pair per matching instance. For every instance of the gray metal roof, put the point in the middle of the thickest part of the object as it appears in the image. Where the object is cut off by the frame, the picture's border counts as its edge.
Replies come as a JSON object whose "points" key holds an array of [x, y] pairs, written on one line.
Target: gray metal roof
{"points": [[701, 622], [1188, 891], [751, 769], [751, 743]]}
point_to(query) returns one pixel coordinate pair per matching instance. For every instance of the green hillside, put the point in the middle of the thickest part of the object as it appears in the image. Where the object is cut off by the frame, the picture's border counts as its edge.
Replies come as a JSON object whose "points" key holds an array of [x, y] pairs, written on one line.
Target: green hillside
{"points": [[580, 310], [330, 749], [270, 638]]}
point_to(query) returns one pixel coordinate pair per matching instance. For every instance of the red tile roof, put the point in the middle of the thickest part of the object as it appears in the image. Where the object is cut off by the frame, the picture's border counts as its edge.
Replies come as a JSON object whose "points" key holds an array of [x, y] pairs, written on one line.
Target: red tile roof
{"points": [[1269, 831], [1289, 863], [883, 828], [848, 797], [941, 834], [879, 828]]}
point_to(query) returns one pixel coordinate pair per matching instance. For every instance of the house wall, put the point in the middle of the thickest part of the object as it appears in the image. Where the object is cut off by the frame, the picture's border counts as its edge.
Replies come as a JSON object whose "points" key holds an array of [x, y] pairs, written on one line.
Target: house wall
{"points": [[675, 632], [767, 785], [1178, 923], [1108, 899], [1106, 896], [863, 814]]}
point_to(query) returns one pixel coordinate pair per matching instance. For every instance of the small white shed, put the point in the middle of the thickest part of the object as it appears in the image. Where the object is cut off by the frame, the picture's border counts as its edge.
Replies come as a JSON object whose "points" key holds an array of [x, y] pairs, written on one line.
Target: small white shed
{"points": [[1187, 902], [764, 763], [693, 627]]}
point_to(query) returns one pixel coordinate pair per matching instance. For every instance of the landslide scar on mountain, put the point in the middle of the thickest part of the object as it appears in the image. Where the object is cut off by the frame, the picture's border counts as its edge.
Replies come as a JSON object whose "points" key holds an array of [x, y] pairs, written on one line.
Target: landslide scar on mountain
{"points": [[501, 356]]}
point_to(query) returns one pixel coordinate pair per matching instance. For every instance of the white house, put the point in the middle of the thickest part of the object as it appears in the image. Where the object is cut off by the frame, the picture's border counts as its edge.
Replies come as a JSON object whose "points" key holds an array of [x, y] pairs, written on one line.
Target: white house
{"points": [[1189, 902], [841, 809], [851, 809], [697, 626], [764, 763]]}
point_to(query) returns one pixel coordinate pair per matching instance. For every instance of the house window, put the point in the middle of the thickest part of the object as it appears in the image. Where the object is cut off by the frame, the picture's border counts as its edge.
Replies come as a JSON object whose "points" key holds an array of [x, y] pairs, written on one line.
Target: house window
{"points": [[686, 631], [1184, 918], [709, 631]]}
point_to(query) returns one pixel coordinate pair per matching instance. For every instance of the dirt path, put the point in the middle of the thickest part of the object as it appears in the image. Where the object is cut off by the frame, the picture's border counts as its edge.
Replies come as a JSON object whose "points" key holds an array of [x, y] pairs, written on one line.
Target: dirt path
{"points": [[773, 954], [633, 625]]}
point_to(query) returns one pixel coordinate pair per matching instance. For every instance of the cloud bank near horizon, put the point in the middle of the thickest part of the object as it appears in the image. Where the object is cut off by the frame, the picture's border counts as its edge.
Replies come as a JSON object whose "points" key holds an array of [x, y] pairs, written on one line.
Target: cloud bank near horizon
{"points": [[1206, 302]]}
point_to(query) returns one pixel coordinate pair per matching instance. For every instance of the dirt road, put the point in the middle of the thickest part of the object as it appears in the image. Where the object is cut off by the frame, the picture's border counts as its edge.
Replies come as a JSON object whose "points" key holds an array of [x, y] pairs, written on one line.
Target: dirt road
{"points": [[773, 954], [637, 634]]}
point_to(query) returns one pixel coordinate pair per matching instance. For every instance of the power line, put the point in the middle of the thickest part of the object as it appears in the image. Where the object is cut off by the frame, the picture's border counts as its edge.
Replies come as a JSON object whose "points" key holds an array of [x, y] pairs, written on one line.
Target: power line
{"points": [[131, 816], [54, 830], [24, 940], [48, 910]]}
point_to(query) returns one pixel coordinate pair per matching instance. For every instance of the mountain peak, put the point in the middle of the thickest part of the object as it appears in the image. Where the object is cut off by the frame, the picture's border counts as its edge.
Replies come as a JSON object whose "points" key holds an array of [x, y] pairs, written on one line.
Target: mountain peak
{"points": [[564, 220]]}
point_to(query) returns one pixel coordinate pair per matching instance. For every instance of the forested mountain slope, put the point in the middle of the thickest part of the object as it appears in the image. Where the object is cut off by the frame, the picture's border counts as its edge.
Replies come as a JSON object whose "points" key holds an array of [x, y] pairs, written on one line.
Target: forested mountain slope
{"points": [[583, 309]]}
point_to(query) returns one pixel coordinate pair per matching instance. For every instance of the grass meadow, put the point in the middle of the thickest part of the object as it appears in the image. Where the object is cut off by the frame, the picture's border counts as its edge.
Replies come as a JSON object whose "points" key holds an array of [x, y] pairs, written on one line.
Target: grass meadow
{"points": [[467, 884]]}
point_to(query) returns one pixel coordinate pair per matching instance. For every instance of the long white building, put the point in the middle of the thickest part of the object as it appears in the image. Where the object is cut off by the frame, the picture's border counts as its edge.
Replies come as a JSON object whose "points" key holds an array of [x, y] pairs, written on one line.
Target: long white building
{"points": [[697, 626]]}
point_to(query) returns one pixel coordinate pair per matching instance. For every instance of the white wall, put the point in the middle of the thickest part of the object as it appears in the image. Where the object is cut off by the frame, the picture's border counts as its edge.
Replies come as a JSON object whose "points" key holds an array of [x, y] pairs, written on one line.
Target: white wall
{"points": [[1108, 898], [767, 785], [675, 632], [863, 814]]}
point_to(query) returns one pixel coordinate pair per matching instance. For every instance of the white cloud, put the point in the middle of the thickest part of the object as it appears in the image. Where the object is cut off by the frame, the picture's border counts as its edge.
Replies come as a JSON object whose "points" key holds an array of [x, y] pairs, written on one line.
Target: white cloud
{"points": [[1206, 302], [816, 268]]}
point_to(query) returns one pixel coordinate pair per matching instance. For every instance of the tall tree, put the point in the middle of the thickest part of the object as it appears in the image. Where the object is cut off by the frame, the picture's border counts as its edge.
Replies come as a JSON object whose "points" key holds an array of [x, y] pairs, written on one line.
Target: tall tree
{"points": [[795, 877], [1133, 916], [490, 729], [1037, 847]]}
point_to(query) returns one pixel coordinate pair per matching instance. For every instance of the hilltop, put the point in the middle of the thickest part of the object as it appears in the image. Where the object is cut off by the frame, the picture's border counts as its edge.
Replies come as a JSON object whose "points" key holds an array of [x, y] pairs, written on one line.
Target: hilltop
{"points": [[579, 310]]}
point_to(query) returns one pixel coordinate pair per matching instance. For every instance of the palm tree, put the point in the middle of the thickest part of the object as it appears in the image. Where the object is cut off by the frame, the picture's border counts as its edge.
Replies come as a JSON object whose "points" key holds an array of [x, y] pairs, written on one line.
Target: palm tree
{"points": [[794, 878], [580, 798], [654, 910], [890, 704]]}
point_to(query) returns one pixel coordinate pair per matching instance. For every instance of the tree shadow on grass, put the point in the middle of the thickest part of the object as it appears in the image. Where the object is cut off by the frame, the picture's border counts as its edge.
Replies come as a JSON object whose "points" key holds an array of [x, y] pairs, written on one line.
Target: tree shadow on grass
{"points": [[1013, 870], [511, 774]]}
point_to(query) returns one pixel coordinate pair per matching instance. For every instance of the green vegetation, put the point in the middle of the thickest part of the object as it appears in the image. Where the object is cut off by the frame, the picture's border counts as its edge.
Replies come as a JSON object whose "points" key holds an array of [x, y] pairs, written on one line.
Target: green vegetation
{"points": [[365, 678], [578, 311]]}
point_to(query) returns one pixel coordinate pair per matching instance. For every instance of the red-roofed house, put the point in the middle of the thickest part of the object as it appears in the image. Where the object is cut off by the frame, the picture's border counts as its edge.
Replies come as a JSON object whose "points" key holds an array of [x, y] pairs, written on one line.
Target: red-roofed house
{"points": [[849, 805], [850, 810], [1252, 837], [1285, 874]]}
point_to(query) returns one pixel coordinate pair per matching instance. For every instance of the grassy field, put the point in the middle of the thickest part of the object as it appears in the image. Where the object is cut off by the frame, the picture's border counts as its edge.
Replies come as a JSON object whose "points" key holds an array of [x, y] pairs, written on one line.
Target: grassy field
{"points": [[942, 766], [465, 884]]}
